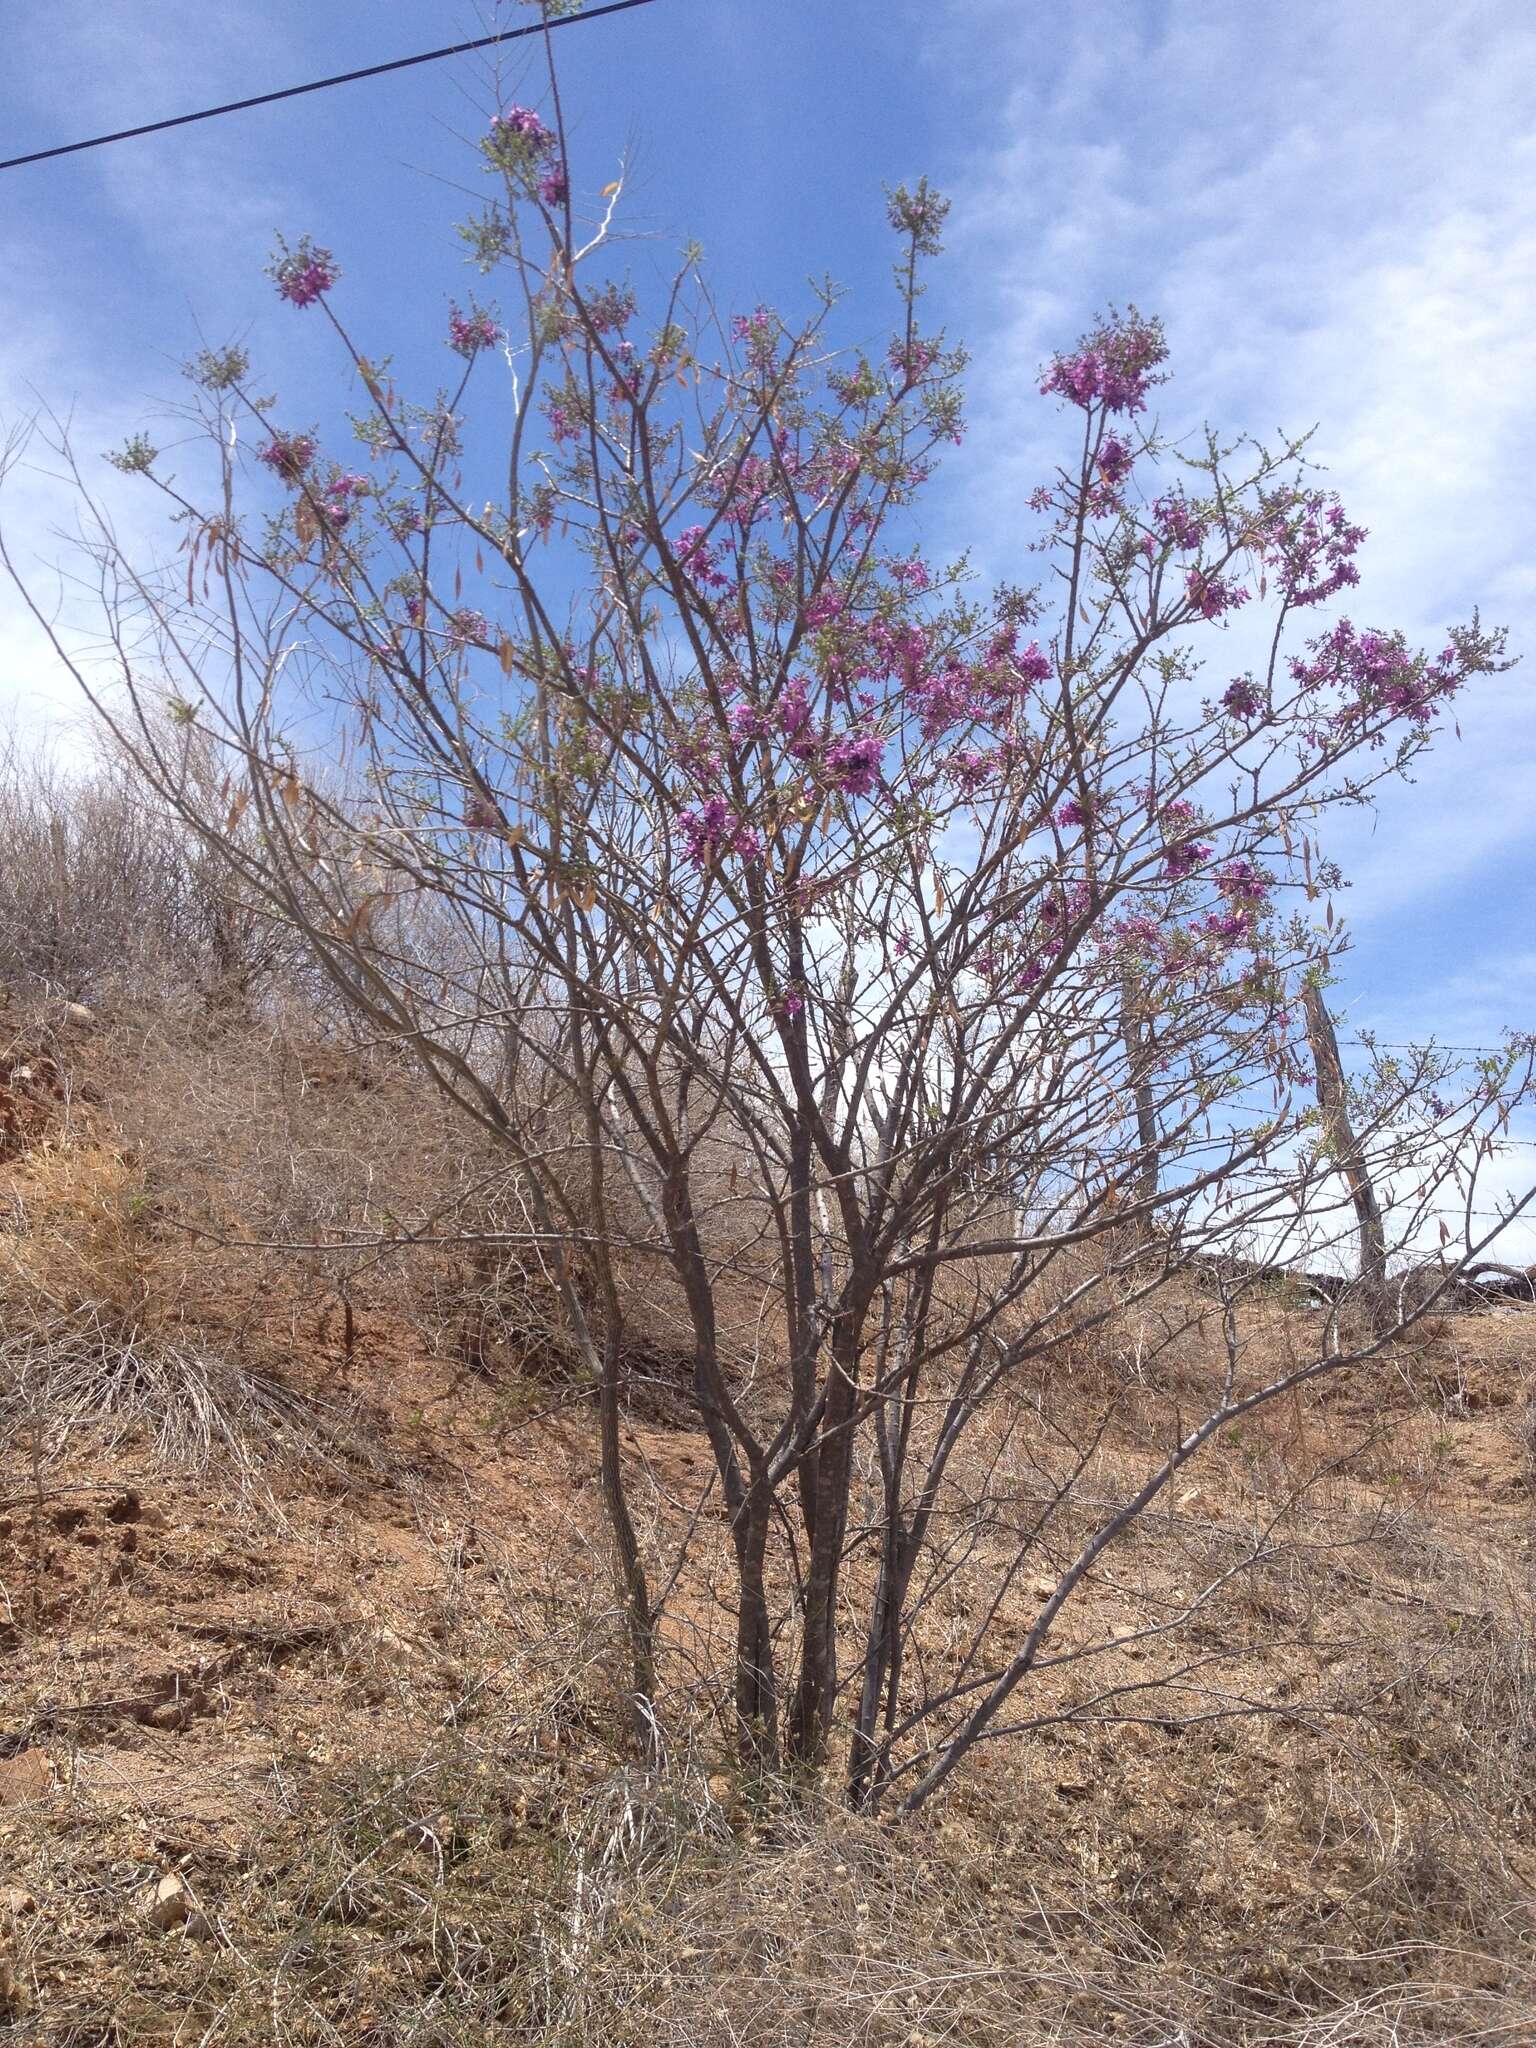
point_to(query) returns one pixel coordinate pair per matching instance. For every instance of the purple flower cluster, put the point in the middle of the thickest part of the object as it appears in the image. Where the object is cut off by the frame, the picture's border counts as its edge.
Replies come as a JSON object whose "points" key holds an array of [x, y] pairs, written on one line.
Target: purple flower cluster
{"points": [[288, 455], [743, 495], [520, 135], [1213, 596], [519, 143], [338, 496], [1071, 815], [1311, 542], [714, 830], [1375, 675], [466, 628], [1241, 699], [851, 765], [1242, 883], [912, 358], [969, 693], [696, 559], [304, 274], [1183, 856], [758, 333], [824, 607], [1176, 523], [1112, 367], [1115, 460], [470, 332], [911, 575], [1244, 891], [970, 771]]}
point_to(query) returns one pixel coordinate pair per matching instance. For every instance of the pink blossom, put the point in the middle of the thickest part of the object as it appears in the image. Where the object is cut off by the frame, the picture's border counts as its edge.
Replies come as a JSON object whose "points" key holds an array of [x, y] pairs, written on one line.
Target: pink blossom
{"points": [[911, 575], [1241, 699], [969, 770], [304, 274], [1032, 665], [1176, 523], [518, 139], [915, 358], [1244, 885], [1375, 675], [465, 627], [794, 710], [747, 723], [472, 331], [289, 455], [1112, 367], [714, 830], [852, 764], [1213, 596], [824, 607], [337, 496], [758, 332], [1311, 542], [1114, 461], [696, 559], [1183, 857]]}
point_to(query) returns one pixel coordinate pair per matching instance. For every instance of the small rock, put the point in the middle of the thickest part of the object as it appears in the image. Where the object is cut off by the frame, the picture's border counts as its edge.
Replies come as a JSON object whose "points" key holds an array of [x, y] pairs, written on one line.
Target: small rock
{"points": [[79, 1013], [201, 1928], [170, 1905], [1043, 1589], [172, 1715], [25, 1778], [15, 1999]]}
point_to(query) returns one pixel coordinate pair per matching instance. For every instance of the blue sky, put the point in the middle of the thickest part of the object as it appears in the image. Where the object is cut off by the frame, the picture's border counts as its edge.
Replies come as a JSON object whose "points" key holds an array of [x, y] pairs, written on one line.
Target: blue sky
{"points": [[1333, 209]]}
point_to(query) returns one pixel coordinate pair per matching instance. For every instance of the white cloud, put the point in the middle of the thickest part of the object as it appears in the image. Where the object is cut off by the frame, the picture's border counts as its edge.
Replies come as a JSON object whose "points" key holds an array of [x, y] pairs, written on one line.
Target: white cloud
{"points": [[1334, 210]]}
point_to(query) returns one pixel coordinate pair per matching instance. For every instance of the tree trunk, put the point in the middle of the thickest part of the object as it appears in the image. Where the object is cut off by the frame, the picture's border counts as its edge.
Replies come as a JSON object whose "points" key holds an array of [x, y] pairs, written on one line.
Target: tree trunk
{"points": [[1345, 1147], [1139, 1070]]}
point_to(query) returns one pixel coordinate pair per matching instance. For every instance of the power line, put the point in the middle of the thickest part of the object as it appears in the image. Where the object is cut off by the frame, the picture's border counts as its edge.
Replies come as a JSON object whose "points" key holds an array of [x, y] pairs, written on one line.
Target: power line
{"points": [[1424, 1045], [290, 92]]}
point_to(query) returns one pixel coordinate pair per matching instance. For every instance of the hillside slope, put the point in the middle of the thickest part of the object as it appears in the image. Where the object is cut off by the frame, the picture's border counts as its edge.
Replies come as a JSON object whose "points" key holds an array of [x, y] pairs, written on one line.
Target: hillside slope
{"points": [[312, 1728]]}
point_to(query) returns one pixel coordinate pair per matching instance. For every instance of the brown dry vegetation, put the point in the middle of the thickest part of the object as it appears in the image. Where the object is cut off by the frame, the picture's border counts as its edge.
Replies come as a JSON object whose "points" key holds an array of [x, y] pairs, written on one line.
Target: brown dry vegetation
{"points": [[313, 1703]]}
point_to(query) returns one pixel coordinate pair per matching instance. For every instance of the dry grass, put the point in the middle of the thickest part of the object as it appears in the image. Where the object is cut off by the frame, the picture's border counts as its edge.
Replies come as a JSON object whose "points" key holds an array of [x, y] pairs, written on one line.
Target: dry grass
{"points": [[423, 1831]]}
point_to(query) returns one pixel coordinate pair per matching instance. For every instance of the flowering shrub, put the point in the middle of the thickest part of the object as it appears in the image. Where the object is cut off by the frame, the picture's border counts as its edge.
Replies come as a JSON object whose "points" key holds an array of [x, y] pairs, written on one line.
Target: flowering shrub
{"points": [[963, 921]]}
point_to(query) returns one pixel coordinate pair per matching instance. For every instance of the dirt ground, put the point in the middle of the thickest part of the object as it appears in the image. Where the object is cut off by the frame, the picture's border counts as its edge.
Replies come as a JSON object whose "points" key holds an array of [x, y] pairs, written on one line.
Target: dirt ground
{"points": [[311, 1725]]}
